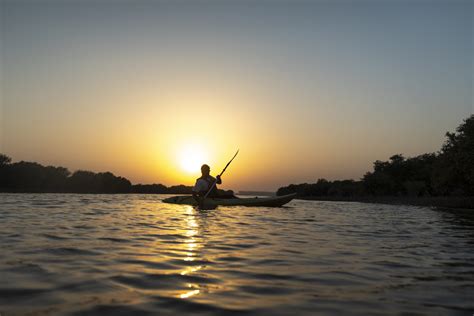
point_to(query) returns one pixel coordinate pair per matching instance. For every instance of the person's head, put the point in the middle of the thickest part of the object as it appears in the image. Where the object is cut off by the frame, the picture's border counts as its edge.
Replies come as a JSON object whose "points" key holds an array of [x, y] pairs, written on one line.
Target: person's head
{"points": [[205, 170]]}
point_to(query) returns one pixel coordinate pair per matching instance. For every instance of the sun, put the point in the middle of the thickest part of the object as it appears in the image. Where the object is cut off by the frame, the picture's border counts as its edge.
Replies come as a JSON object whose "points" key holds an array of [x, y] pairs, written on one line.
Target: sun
{"points": [[191, 158]]}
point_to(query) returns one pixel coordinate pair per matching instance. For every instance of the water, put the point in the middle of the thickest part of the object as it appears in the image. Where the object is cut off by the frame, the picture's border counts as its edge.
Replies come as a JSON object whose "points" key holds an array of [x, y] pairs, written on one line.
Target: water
{"points": [[131, 254]]}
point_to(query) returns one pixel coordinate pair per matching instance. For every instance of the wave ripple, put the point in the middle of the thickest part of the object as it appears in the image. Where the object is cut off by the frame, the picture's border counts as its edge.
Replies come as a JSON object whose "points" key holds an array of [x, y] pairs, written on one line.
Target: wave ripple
{"points": [[72, 254]]}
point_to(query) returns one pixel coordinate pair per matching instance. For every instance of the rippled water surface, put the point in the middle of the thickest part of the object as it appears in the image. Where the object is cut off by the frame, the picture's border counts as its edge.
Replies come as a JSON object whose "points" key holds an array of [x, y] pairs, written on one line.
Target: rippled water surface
{"points": [[132, 254]]}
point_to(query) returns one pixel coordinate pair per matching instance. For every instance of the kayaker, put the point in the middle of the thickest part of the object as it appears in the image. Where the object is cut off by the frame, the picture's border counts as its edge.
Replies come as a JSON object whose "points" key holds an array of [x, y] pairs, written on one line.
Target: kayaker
{"points": [[204, 183]]}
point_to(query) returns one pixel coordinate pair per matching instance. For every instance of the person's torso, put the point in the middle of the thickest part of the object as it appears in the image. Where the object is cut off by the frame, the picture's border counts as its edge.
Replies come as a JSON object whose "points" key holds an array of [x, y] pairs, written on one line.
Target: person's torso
{"points": [[209, 180]]}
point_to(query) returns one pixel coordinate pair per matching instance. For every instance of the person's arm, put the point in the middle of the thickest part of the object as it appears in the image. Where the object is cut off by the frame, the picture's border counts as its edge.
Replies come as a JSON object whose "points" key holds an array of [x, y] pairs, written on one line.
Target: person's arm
{"points": [[218, 179]]}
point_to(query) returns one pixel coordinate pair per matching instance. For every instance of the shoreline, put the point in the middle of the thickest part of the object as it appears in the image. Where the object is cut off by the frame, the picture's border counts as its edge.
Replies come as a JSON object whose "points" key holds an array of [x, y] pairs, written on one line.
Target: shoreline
{"points": [[433, 201]]}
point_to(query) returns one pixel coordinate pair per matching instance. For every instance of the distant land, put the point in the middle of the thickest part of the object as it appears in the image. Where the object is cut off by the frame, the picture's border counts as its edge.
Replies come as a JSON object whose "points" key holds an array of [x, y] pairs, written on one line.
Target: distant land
{"points": [[262, 193], [32, 177], [447, 175], [445, 178]]}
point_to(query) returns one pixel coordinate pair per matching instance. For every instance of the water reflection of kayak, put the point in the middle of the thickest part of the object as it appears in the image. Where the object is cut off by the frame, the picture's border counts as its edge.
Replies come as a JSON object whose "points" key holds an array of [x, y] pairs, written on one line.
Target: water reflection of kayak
{"points": [[274, 201]]}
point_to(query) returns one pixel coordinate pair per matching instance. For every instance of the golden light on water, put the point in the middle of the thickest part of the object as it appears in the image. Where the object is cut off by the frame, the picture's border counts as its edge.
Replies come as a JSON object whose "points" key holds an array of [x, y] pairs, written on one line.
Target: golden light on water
{"points": [[191, 246], [189, 294], [191, 270]]}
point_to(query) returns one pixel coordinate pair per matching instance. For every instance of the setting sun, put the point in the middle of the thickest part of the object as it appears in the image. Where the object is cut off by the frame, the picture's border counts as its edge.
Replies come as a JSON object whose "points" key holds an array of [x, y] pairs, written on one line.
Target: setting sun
{"points": [[191, 157]]}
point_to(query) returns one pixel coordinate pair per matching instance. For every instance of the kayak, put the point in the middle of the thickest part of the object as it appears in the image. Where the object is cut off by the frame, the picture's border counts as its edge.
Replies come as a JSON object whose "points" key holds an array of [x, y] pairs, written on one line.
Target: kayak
{"points": [[275, 201]]}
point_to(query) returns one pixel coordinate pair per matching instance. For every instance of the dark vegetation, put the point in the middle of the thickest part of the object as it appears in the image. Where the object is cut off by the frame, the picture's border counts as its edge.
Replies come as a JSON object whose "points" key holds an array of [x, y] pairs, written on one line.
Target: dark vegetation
{"points": [[162, 189], [31, 177], [447, 173], [23, 177]]}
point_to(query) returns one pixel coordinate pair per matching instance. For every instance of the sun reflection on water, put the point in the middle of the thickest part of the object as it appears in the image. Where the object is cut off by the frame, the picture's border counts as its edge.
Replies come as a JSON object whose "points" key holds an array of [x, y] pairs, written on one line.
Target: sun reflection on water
{"points": [[192, 245], [191, 270], [189, 294]]}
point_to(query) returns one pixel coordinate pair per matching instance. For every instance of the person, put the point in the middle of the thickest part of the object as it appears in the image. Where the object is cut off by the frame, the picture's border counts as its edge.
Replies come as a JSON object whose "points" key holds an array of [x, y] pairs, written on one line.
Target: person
{"points": [[204, 183]]}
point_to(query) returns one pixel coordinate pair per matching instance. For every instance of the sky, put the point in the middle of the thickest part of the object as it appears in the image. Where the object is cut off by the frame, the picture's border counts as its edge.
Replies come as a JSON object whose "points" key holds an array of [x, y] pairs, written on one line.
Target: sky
{"points": [[149, 90]]}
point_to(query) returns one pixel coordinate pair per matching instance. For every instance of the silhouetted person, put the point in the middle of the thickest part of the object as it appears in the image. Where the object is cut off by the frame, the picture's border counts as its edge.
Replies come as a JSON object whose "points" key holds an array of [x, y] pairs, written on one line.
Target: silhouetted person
{"points": [[204, 183]]}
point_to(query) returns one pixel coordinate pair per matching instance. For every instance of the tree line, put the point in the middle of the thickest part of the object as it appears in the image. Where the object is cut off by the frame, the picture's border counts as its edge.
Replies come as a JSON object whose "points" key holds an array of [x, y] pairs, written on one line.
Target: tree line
{"points": [[448, 172], [32, 177]]}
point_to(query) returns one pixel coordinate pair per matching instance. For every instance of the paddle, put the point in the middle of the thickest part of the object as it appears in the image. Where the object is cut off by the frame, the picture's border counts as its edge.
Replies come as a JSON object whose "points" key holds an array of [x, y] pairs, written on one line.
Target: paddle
{"points": [[220, 175]]}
